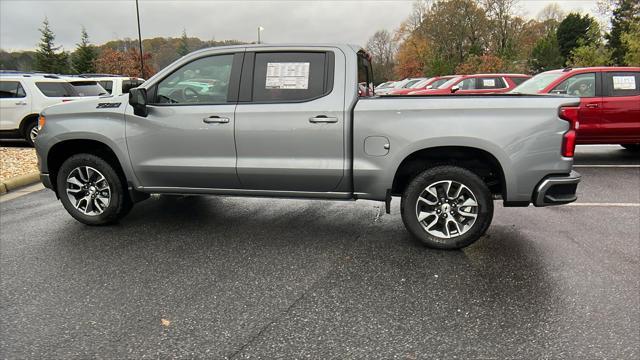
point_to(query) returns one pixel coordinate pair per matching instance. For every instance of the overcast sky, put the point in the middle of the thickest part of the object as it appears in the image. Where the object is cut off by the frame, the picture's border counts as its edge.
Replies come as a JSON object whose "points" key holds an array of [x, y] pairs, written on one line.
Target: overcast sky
{"points": [[336, 21]]}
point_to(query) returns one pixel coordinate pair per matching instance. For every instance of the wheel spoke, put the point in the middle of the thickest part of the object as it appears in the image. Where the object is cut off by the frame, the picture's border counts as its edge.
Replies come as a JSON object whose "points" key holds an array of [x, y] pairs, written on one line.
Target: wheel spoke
{"points": [[426, 201], [425, 214], [467, 214], [75, 181], [469, 202]]}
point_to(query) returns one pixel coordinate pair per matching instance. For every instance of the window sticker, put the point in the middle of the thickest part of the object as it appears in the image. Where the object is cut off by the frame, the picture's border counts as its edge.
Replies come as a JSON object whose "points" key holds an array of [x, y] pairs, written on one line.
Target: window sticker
{"points": [[289, 75], [489, 82], [624, 82]]}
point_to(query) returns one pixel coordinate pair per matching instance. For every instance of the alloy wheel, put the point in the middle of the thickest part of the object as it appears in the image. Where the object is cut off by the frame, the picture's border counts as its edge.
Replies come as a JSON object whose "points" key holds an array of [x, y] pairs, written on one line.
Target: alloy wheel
{"points": [[447, 209], [88, 190]]}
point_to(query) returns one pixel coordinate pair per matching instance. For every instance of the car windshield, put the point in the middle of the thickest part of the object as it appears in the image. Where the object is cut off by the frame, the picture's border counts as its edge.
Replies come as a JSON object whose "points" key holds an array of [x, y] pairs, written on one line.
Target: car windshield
{"points": [[88, 88], [438, 83], [410, 83], [420, 84], [537, 83], [449, 82]]}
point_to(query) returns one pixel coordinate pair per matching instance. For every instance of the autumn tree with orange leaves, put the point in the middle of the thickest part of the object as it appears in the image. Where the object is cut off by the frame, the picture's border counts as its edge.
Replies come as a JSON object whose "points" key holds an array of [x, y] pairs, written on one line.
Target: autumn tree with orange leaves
{"points": [[125, 63]]}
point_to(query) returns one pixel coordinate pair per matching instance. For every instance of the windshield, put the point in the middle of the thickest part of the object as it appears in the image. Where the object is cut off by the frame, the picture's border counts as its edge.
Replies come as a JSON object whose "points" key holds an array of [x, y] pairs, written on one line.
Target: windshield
{"points": [[88, 88], [537, 83], [449, 82], [437, 83], [420, 84], [410, 83]]}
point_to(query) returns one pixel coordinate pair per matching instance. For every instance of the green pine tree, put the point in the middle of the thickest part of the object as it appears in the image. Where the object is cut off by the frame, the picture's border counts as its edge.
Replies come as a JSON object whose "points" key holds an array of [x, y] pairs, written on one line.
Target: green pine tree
{"points": [[47, 57], [625, 13], [183, 47], [85, 55], [546, 54], [574, 31]]}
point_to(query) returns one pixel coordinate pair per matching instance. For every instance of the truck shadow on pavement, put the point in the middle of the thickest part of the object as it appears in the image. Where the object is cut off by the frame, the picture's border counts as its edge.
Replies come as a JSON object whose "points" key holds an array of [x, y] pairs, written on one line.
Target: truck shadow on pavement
{"points": [[346, 265]]}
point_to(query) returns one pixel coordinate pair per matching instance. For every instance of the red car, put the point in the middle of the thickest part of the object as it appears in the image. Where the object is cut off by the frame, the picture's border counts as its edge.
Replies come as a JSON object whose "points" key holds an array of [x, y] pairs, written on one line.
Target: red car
{"points": [[477, 84], [430, 83], [609, 101]]}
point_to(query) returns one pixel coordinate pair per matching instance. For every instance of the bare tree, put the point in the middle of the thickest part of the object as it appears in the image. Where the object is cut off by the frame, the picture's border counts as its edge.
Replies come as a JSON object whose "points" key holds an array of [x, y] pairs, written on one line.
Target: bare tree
{"points": [[552, 11], [501, 14], [382, 48]]}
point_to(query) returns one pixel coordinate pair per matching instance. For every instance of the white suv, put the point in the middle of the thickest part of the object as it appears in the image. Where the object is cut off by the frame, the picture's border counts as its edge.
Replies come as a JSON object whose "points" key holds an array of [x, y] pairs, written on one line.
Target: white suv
{"points": [[115, 85], [24, 96]]}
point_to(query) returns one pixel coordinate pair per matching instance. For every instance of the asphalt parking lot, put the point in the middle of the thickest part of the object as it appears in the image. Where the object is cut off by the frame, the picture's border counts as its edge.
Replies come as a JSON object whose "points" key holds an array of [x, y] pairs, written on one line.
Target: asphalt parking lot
{"points": [[261, 278]]}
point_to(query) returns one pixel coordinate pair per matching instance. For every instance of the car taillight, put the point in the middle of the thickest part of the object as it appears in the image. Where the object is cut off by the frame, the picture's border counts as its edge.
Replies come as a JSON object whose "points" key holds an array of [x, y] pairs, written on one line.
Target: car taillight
{"points": [[570, 114]]}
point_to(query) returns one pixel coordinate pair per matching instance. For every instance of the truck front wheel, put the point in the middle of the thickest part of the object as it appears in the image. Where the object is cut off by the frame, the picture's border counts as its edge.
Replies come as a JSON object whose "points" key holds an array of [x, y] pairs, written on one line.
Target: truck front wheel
{"points": [[91, 191], [447, 207]]}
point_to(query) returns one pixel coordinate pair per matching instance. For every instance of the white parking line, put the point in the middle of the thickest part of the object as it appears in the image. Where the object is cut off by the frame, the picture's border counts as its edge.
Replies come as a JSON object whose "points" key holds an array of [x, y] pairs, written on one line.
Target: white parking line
{"points": [[606, 166], [606, 204]]}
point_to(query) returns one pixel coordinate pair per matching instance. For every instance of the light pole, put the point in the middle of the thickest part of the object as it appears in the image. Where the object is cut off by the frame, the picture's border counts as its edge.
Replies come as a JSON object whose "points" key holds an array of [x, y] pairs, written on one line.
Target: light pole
{"points": [[260, 29], [140, 42]]}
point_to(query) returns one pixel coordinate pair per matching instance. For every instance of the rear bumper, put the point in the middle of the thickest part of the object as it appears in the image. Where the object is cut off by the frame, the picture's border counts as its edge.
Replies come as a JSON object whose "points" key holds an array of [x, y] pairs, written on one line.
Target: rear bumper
{"points": [[556, 190]]}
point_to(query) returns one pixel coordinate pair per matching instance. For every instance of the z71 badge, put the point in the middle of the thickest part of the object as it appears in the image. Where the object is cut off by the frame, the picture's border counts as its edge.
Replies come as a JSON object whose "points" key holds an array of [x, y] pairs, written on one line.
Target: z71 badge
{"points": [[108, 105]]}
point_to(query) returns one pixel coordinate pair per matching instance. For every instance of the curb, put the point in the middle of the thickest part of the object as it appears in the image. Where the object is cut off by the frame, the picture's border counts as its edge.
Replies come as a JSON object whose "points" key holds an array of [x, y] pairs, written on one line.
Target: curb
{"points": [[18, 182]]}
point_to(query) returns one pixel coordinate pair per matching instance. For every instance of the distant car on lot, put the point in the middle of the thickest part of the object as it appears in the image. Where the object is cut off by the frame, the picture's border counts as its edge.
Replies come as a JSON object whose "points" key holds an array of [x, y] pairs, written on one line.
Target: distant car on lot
{"points": [[609, 101], [477, 84], [115, 84], [430, 83], [23, 96], [402, 84]]}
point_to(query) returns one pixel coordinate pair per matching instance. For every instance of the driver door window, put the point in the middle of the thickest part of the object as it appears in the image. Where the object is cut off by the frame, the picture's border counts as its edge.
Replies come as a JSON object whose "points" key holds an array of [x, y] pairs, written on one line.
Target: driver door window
{"points": [[582, 85], [203, 81]]}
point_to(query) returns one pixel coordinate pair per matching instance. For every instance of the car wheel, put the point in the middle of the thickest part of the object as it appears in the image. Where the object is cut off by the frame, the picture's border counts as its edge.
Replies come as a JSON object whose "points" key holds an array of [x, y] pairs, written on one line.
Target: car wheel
{"points": [[30, 132], [91, 190], [447, 207], [631, 147]]}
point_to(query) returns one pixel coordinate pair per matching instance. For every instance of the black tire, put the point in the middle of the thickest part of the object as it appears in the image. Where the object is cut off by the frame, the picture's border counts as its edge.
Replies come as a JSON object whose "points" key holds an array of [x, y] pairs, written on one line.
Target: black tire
{"points": [[119, 204], [27, 130], [443, 173], [631, 147]]}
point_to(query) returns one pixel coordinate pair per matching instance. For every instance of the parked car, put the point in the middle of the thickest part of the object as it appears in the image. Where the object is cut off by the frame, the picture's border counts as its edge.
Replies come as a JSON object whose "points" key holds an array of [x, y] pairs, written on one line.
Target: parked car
{"points": [[402, 84], [291, 124], [117, 85], [86, 87], [430, 83], [609, 101], [23, 96], [477, 84]]}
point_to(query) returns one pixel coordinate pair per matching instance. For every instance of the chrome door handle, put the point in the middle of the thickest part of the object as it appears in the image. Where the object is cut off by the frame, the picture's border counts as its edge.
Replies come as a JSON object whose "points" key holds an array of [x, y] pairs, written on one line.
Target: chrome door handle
{"points": [[593, 106], [21, 103], [323, 119], [215, 120]]}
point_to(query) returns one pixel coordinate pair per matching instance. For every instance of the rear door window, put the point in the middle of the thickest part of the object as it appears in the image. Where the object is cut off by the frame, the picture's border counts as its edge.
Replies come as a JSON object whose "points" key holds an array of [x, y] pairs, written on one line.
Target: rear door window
{"points": [[56, 89], [490, 83], [624, 83], [11, 89], [290, 76]]}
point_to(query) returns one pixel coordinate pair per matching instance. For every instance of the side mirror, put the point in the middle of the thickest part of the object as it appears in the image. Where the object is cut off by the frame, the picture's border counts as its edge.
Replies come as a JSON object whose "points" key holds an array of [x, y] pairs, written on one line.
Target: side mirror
{"points": [[455, 88], [138, 99]]}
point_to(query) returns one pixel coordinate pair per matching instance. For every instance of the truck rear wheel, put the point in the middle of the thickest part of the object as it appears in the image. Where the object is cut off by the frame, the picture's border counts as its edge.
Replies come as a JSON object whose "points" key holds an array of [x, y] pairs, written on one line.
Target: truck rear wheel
{"points": [[91, 191], [447, 207]]}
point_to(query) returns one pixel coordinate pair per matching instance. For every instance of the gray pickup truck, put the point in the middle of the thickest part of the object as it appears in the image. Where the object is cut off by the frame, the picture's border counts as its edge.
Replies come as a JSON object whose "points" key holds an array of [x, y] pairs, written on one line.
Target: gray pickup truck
{"points": [[298, 122]]}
